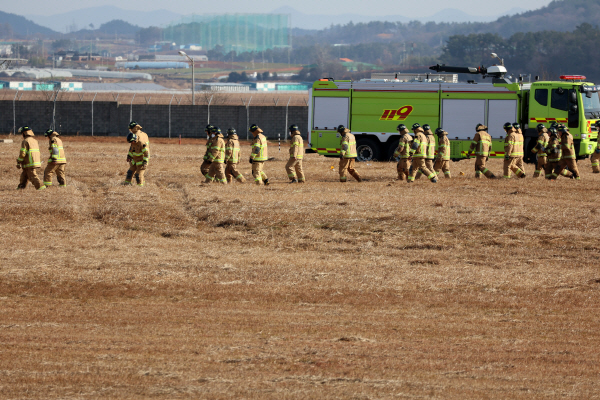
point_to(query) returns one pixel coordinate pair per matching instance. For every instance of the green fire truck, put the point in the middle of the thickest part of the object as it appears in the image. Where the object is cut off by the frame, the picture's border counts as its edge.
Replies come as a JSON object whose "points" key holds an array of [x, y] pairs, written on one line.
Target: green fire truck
{"points": [[372, 109]]}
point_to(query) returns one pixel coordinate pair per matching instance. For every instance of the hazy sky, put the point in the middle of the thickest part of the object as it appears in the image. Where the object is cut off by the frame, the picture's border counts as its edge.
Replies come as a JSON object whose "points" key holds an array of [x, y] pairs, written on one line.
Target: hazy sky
{"points": [[373, 7]]}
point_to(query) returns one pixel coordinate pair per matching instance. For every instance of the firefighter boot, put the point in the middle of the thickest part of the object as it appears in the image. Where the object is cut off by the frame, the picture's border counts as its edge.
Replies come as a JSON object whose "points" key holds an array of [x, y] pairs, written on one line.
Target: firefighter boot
{"points": [[128, 177]]}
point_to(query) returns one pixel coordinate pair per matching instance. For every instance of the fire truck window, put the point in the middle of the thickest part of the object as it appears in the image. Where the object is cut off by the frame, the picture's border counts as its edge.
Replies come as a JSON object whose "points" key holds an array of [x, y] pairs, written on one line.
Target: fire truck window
{"points": [[541, 96], [560, 101]]}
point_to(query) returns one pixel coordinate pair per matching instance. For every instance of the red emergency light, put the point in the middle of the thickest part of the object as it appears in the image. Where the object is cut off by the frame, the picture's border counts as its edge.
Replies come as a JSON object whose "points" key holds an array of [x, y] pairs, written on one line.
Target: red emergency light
{"points": [[572, 77]]}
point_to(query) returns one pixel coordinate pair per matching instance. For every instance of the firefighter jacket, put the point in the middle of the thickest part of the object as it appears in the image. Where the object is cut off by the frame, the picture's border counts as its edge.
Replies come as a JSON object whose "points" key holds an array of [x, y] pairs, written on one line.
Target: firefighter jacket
{"points": [[403, 149], [348, 145], [481, 144], [232, 149], [430, 150], [208, 144], [443, 151], [419, 144], [57, 153], [217, 149], [553, 149], [297, 146], [566, 145], [29, 156], [542, 143], [259, 148], [513, 144], [139, 151]]}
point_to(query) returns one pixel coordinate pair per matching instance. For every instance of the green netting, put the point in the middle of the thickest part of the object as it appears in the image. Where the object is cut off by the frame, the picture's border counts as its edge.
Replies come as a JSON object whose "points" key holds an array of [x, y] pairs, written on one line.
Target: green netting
{"points": [[235, 32]]}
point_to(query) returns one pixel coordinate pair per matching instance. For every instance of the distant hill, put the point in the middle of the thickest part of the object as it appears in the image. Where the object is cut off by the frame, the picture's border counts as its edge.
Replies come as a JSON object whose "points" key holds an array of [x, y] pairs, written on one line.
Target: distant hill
{"points": [[81, 19], [559, 15], [119, 27], [22, 27]]}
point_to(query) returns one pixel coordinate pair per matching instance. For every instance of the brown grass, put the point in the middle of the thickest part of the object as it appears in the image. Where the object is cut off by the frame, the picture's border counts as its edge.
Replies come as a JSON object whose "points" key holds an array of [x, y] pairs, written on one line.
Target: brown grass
{"points": [[464, 289]]}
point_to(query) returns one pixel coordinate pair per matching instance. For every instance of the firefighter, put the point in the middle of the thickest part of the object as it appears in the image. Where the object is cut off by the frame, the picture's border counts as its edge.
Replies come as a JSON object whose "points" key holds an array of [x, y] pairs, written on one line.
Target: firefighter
{"points": [[540, 149], [520, 138], [442, 162], [348, 154], [206, 164], [552, 167], [259, 155], [216, 156], [429, 150], [418, 150], [139, 154], [232, 157], [596, 155], [403, 151], [296, 156], [29, 160], [513, 150], [568, 159], [57, 161], [481, 146]]}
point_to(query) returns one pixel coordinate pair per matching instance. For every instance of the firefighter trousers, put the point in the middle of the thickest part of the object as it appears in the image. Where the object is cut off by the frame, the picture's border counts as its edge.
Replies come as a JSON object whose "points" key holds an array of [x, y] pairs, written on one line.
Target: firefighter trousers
{"points": [[294, 169], [49, 172], [216, 173], [231, 172], [347, 165], [30, 175], [596, 162], [258, 173], [481, 169], [510, 165], [138, 172], [442, 165], [569, 163], [403, 169], [429, 163], [549, 169], [418, 165], [205, 167], [541, 162]]}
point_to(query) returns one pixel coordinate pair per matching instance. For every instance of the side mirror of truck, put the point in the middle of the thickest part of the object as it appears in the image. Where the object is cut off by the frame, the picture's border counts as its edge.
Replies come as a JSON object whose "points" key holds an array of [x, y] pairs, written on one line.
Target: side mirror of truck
{"points": [[573, 109], [588, 95], [573, 97]]}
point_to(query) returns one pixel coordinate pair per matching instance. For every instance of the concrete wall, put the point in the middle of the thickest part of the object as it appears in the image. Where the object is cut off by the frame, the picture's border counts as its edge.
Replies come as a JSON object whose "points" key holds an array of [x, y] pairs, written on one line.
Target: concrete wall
{"points": [[112, 118]]}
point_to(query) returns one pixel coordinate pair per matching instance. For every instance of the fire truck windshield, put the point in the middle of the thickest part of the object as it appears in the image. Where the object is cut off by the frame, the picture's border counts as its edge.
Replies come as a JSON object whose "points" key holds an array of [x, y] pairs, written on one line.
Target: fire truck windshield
{"points": [[591, 106]]}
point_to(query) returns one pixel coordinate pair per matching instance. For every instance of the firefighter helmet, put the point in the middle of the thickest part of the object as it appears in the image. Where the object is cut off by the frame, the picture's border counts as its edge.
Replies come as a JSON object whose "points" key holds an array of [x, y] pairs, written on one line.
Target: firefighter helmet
{"points": [[415, 126], [294, 128], [208, 128], [131, 137], [480, 127], [49, 132], [439, 131], [516, 125], [507, 126], [540, 127], [231, 131], [553, 131], [133, 124], [401, 127], [426, 127]]}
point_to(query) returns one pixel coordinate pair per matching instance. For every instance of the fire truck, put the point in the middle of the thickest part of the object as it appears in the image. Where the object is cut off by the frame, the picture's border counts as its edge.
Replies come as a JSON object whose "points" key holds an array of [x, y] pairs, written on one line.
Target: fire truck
{"points": [[373, 108]]}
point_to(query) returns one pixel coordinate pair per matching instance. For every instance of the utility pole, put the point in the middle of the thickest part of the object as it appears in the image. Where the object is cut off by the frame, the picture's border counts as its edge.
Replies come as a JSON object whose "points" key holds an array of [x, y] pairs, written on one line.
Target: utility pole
{"points": [[183, 53]]}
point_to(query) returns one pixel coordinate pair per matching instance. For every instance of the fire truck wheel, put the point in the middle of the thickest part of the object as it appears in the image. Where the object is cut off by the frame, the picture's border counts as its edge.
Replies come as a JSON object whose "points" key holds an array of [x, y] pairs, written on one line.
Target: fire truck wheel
{"points": [[367, 150]]}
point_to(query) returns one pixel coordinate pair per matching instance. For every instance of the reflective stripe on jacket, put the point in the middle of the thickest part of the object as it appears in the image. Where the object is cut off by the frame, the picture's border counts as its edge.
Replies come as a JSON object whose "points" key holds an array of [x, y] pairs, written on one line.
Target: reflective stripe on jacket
{"points": [[348, 145], [29, 156], [417, 149], [513, 144], [481, 144], [57, 152], [259, 148], [430, 150], [297, 146], [232, 149], [443, 148], [403, 149], [567, 147], [553, 150], [217, 150]]}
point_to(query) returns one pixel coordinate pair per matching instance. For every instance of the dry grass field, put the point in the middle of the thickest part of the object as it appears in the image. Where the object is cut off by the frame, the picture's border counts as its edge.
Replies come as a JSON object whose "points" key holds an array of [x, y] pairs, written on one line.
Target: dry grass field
{"points": [[464, 289]]}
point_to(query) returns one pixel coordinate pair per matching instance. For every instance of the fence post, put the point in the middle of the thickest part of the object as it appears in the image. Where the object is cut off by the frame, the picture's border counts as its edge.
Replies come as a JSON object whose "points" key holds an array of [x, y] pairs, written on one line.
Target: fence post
{"points": [[53, 127], [209, 101], [286, 117], [15, 113], [170, 116], [131, 109], [93, 112], [248, 118]]}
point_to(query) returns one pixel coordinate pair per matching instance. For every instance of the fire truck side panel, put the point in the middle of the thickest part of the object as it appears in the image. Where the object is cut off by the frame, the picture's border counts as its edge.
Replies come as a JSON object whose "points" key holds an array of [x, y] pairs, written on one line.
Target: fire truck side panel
{"points": [[330, 108]]}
